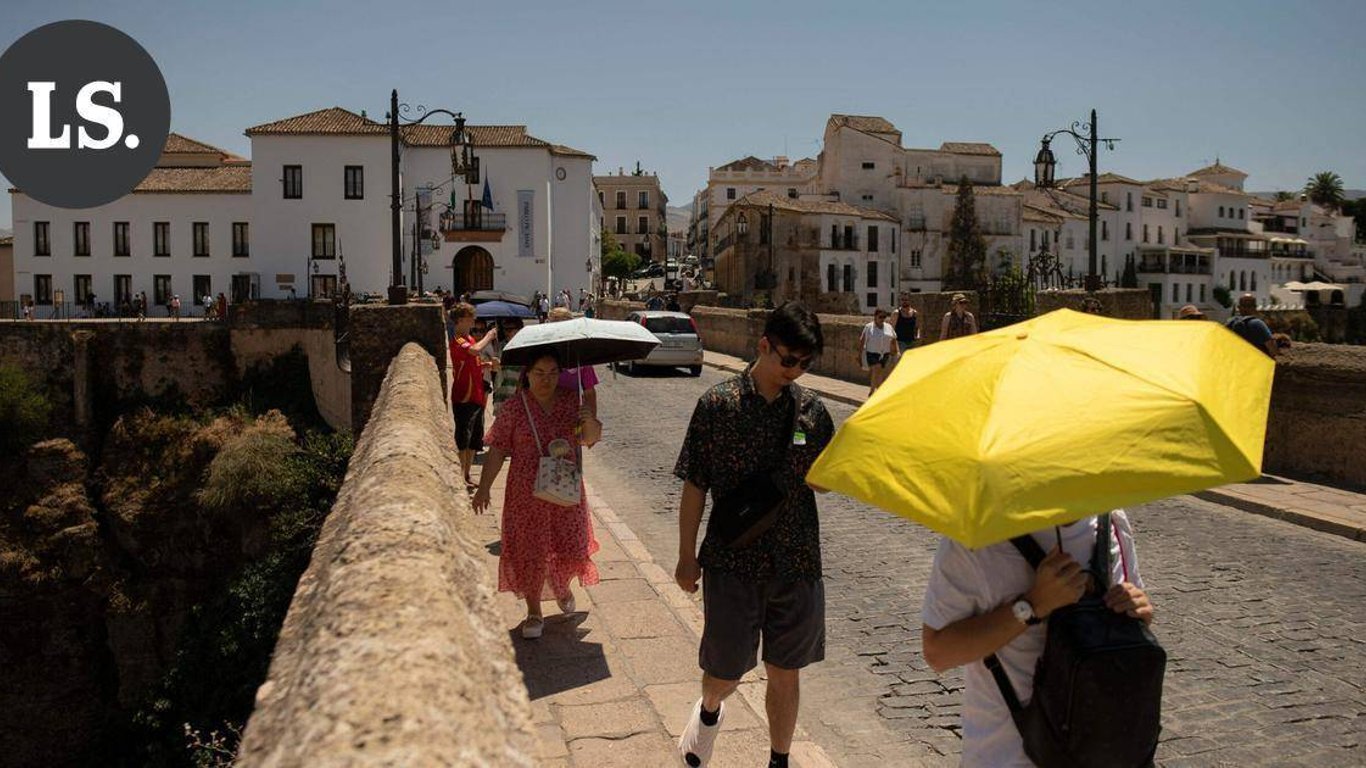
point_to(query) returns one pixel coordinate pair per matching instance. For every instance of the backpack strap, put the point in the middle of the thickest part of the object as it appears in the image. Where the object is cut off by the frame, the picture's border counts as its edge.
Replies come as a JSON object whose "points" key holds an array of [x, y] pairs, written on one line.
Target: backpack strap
{"points": [[1033, 554], [1100, 556], [1027, 546]]}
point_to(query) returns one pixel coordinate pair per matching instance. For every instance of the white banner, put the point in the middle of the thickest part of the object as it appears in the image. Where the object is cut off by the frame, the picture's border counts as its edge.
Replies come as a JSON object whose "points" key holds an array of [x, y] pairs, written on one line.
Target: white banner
{"points": [[526, 221]]}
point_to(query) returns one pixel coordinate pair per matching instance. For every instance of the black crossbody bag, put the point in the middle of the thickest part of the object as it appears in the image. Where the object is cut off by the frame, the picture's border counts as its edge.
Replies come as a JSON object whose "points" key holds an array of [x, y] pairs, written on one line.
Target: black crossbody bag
{"points": [[751, 508], [1098, 685]]}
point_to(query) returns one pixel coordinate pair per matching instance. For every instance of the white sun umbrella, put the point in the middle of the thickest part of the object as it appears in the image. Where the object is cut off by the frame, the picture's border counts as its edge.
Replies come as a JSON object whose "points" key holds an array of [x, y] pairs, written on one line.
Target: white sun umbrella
{"points": [[581, 341]]}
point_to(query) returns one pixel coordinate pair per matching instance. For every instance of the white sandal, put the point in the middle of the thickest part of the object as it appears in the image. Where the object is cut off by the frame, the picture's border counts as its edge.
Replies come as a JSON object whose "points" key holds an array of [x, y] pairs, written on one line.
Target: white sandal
{"points": [[532, 627]]}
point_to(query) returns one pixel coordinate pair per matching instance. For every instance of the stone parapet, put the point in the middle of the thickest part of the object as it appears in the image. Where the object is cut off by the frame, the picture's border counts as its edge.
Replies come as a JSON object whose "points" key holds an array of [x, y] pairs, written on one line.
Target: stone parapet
{"points": [[1317, 427], [378, 332], [393, 651]]}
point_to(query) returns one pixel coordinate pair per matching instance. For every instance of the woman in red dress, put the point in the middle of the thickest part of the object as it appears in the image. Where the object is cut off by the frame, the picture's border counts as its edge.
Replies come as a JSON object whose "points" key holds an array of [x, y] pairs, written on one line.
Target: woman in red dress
{"points": [[544, 545]]}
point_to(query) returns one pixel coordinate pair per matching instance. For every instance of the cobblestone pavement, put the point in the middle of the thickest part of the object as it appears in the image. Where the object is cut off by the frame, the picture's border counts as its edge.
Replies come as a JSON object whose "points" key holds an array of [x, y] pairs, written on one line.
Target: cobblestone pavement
{"points": [[1264, 621]]}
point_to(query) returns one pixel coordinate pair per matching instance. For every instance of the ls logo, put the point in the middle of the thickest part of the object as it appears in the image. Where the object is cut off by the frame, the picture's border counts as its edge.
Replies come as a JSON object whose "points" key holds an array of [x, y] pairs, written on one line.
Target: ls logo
{"points": [[110, 118], [80, 131]]}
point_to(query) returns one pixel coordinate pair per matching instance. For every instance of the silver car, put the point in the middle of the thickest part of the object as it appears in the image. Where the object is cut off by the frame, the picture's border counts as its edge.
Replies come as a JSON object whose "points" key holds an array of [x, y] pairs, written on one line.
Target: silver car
{"points": [[680, 346]]}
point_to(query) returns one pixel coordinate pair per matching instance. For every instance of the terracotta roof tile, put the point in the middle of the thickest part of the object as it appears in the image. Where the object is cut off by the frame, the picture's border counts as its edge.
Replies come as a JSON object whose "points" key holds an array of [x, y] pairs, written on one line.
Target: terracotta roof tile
{"points": [[185, 145], [968, 148], [1034, 213], [865, 123], [750, 163], [1218, 169], [1104, 178], [560, 149], [6, 240], [330, 121], [765, 198], [225, 179]]}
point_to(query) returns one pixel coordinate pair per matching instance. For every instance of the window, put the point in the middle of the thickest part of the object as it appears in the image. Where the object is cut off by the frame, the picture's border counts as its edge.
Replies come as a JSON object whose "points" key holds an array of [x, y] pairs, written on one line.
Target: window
{"points": [[872, 277], [1241, 213], [161, 290], [354, 184], [601, 199], [792, 192], [872, 239], [834, 236], [123, 291], [241, 239], [1176, 235], [1145, 233], [324, 241], [1178, 209], [915, 258], [1232, 279], [872, 299], [1242, 281], [42, 290], [203, 286], [1104, 230], [1202, 293], [643, 225], [621, 225], [1128, 230], [640, 249], [1159, 234], [42, 243], [849, 237], [201, 239], [1105, 197], [1188, 292], [643, 201], [1176, 293], [730, 193], [294, 182], [848, 278], [1045, 239], [895, 236], [1162, 203], [1221, 211], [121, 239], [1071, 241], [81, 238], [1147, 202], [830, 278], [1032, 244], [1253, 282], [161, 238], [765, 226], [1128, 201], [621, 199], [323, 286], [868, 166], [80, 285], [867, 198]]}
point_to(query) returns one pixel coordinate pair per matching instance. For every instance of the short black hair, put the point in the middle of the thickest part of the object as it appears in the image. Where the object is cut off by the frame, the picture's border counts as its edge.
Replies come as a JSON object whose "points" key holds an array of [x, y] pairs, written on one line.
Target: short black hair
{"points": [[796, 327]]}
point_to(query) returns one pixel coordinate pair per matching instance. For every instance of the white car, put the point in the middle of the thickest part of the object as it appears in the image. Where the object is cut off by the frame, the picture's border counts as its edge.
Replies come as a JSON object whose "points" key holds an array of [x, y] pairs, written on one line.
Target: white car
{"points": [[680, 345]]}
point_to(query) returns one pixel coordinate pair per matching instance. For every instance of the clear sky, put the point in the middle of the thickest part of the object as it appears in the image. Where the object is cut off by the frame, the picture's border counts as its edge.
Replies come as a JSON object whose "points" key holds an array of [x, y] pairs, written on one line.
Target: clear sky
{"points": [[1277, 89]]}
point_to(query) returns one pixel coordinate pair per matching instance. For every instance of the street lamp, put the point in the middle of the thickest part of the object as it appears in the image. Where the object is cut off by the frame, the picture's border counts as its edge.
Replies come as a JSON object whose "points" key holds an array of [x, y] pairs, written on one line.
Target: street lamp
{"points": [[461, 163], [1045, 164]]}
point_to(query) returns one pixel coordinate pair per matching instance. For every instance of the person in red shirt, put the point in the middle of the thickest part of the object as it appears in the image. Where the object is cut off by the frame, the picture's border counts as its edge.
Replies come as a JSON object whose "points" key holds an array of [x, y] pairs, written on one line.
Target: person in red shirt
{"points": [[467, 386]]}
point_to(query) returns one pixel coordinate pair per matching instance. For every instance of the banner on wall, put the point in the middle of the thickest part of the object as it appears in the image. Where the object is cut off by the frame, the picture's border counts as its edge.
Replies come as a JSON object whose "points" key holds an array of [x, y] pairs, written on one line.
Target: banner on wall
{"points": [[526, 232]]}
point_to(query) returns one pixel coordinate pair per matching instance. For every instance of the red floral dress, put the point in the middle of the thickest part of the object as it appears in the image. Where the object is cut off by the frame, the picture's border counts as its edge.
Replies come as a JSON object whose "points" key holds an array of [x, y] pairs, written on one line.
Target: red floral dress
{"points": [[544, 545]]}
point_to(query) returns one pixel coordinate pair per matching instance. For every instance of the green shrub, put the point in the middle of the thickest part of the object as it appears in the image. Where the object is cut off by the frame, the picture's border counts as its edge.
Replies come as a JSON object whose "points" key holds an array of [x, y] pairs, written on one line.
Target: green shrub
{"points": [[1223, 296], [24, 411]]}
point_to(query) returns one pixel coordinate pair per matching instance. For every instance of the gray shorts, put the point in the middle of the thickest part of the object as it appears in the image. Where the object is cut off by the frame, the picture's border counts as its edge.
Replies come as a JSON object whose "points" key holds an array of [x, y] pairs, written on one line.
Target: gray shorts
{"points": [[788, 615]]}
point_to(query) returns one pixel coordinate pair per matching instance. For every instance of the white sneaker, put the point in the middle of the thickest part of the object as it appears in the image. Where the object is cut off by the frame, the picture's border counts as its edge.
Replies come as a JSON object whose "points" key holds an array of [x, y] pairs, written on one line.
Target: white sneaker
{"points": [[567, 604], [696, 743], [532, 627]]}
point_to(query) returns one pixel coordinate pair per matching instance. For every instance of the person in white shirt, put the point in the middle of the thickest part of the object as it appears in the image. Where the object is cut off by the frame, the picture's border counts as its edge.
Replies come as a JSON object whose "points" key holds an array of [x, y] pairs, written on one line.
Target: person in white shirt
{"points": [[878, 346], [988, 600]]}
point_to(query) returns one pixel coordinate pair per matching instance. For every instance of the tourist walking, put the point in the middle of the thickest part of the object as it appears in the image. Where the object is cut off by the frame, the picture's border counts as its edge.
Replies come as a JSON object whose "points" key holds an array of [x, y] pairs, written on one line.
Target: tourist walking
{"points": [[467, 386], [547, 536], [750, 443], [174, 308], [958, 321], [222, 306], [877, 343], [506, 377], [142, 305], [907, 324], [583, 381]]}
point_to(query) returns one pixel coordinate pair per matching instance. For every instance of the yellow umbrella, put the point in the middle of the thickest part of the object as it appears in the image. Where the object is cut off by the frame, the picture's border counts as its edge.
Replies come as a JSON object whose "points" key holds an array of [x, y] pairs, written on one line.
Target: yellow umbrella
{"points": [[1051, 420]]}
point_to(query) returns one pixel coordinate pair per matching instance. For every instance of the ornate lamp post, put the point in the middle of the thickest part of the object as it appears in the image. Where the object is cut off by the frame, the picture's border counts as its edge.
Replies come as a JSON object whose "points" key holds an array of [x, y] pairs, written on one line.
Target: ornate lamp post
{"points": [[461, 163], [1045, 164]]}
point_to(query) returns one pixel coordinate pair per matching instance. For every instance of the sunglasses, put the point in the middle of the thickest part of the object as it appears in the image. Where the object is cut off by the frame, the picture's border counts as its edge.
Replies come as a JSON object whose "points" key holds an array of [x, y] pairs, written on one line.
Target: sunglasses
{"points": [[790, 361]]}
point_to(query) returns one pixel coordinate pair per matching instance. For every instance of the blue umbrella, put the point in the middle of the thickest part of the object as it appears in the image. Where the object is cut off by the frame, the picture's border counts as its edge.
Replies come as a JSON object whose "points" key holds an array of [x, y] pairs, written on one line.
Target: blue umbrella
{"points": [[495, 309]]}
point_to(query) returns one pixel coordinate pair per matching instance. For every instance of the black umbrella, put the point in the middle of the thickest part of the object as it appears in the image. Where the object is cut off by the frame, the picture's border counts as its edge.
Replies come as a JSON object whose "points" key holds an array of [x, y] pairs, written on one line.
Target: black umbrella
{"points": [[512, 298]]}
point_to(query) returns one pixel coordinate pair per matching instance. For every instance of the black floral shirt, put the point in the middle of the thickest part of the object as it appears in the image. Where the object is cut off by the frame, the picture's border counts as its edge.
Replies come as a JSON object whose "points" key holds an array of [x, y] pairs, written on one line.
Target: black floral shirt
{"points": [[733, 434]]}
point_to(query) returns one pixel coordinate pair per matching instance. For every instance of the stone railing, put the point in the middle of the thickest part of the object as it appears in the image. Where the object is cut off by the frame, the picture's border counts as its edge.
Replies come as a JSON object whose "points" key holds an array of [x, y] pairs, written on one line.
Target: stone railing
{"points": [[1317, 427], [393, 652]]}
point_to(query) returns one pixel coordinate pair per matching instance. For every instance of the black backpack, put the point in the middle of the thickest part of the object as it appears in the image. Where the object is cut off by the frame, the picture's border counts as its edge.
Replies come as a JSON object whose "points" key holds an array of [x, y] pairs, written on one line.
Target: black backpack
{"points": [[1098, 685]]}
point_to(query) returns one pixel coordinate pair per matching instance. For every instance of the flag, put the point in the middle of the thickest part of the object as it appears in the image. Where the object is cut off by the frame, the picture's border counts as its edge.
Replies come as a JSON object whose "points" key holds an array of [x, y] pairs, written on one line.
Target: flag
{"points": [[488, 195]]}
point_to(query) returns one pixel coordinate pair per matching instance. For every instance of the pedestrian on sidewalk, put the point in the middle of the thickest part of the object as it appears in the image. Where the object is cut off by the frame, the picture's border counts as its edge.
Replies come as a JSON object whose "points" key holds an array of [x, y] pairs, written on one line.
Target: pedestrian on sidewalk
{"points": [[958, 321], [467, 386], [578, 380], [545, 545], [174, 307], [986, 601], [750, 443], [907, 323], [877, 346], [505, 377]]}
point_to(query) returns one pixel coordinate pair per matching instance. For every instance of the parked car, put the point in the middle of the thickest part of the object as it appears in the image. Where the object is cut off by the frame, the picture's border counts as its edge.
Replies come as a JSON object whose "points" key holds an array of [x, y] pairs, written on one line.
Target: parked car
{"points": [[680, 345]]}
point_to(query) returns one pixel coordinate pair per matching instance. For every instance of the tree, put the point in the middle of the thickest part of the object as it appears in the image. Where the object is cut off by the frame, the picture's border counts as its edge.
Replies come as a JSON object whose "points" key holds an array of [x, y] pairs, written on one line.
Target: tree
{"points": [[1325, 188], [620, 263], [1129, 279], [967, 246], [1283, 196], [24, 410]]}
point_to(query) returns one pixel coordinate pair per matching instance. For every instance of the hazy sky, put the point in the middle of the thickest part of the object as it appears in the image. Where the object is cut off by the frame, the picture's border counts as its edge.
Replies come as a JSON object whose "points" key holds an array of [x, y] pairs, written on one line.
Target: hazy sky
{"points": [[1277, 89]]}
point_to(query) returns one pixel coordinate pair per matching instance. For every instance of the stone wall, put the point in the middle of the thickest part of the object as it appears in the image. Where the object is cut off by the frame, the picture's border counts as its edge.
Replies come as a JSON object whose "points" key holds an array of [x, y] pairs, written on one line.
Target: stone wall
{"points": [[1124, 303], [378, 332], [393, 652], [1317, 427]]}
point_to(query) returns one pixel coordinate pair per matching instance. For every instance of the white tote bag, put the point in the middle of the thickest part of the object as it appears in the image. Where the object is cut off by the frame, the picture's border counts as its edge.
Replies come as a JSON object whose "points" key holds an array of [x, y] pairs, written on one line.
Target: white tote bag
{"points": [[558, 480]]}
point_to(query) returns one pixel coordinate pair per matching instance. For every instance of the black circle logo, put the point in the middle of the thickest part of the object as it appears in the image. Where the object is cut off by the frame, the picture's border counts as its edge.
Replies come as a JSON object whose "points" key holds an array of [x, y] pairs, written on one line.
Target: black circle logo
{"points": [[87, 114]]}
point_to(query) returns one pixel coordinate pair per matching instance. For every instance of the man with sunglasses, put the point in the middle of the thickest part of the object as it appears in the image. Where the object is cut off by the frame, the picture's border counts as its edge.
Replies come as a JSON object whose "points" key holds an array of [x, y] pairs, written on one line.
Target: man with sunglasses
{"points": [[762, 579]]}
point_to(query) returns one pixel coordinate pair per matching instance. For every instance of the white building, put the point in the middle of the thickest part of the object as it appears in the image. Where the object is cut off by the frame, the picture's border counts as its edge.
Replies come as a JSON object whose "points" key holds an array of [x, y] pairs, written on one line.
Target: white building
{"points": [[313, 208]]}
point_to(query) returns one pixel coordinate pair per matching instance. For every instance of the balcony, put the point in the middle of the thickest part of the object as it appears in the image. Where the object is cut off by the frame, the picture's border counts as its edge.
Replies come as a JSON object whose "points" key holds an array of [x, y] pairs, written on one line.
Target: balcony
{"points": [[473, 227]]}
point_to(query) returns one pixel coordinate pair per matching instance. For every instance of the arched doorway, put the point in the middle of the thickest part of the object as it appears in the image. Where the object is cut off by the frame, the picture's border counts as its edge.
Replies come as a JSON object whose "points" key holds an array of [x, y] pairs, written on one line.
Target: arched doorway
{"points": [[472, 268]]}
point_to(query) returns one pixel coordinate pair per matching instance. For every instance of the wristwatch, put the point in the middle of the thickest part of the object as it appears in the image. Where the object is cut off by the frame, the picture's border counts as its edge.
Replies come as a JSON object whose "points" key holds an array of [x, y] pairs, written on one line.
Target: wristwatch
{"points": [[1024, 612]]}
